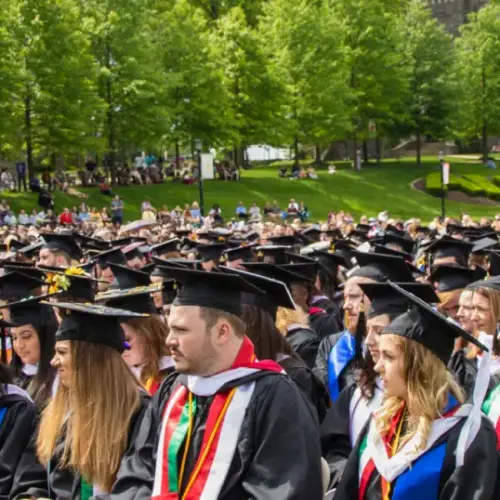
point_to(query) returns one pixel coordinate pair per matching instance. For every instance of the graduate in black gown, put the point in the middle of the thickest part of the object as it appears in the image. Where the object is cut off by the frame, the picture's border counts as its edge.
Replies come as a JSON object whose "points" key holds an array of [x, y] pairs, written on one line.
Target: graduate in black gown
{"points": [[423, 442], [243, 428], [336, 352], [88, 424], [33, 332], [259, 315], [18, 417], [352, 410]]}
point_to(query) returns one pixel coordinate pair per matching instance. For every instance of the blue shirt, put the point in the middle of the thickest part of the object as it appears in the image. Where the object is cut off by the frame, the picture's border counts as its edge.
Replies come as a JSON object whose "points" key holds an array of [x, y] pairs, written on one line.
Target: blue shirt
{"points": [[195, 212], [241, 210]]}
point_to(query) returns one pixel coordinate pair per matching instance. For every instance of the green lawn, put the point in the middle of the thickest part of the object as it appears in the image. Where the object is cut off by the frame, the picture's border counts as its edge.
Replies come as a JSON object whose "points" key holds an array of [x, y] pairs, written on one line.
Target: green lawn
{"points": [[367, 192]]}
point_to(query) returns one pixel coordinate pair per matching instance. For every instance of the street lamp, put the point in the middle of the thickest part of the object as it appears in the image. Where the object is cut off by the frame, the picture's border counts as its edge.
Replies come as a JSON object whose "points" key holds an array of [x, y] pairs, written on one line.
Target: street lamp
{"points": [[198, 145]]}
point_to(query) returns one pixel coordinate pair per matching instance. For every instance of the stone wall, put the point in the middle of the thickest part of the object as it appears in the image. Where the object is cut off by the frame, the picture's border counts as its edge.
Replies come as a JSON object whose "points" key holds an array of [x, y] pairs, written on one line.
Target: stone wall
{"points": [[453, 13]]}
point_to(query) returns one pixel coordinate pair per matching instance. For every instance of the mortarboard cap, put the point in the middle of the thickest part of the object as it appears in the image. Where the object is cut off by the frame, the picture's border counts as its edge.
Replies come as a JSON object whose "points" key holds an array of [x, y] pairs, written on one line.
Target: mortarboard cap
{"points": [[244, 252], [215, 290], [422, 324], [450, 247], [312, 234], [335, 234], [126, 277], [28, 311], [285, 240], [30, 251], [403, 244], [277, 272], [276, 293], [491, 283], [394, 231], [137, 299], [16, 285], [275, 252], [91, 243], [485, 244], [386, 300], [113, 256], [63, 243], [308, 270], [211, 252], [392, 251], [93, 323], [133, 251], [172, 245], [447, 278], [386, 266], [71, 286]]}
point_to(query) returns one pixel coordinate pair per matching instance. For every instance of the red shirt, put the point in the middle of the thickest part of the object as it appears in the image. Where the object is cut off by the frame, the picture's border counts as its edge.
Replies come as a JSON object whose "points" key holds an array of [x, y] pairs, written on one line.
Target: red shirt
{"points": [[65, 218]]}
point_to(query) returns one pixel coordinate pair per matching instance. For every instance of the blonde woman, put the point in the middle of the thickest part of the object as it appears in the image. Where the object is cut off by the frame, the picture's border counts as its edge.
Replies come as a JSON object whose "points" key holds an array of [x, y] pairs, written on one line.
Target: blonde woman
{"points": [[87, 426], [423, 443]]}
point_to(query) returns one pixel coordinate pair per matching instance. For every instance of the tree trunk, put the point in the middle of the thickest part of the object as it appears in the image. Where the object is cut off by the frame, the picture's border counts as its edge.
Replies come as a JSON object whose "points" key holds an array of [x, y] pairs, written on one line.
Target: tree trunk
{"points": [[419, 149], [110, 120], [296, 151], [317, 151], [177, 155], [378, 149], [29, 136], [366, 159], [235, 156], [355, 152], [484, 142]]}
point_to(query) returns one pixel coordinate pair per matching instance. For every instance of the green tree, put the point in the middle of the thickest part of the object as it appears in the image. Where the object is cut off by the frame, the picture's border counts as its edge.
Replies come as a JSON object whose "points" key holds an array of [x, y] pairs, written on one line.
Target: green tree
{"points": [[130, 76], [428, 54], [478, 60], [304, 40], [377, 78], [255, 93]]}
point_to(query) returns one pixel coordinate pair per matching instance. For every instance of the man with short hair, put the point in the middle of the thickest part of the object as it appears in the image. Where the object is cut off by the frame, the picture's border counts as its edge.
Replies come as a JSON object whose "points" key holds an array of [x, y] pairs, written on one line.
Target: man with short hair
{"points": [[59, 250], [225, 425]]}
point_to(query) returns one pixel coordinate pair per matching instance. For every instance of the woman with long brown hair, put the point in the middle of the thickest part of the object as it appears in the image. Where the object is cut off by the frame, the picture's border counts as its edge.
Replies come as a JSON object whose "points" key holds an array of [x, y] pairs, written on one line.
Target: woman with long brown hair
{"points": [[423, 442], [86, 428]]}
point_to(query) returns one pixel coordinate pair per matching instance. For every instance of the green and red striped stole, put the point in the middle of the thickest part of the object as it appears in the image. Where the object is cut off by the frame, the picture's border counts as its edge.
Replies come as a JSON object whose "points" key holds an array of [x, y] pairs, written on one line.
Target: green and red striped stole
{"points": [[491, 407]]}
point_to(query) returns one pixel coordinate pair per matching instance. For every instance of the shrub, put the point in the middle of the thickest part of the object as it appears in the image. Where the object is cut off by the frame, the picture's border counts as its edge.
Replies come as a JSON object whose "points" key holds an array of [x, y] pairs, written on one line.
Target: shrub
{"points": [[489, 189], [433, 183]]}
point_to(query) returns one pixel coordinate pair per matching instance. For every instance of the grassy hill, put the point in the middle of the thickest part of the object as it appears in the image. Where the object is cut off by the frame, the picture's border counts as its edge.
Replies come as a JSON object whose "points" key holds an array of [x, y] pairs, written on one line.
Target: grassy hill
{"points": [[367, 192]]}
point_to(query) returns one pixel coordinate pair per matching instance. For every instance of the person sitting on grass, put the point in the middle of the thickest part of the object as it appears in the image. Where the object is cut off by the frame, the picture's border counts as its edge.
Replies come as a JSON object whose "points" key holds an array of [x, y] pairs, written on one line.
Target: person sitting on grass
{"points": [[311, 173]]}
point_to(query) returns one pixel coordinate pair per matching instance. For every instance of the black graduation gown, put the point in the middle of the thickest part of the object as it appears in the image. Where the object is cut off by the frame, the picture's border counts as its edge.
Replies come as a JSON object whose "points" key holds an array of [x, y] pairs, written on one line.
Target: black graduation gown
{"points": [[335, 438], [304, 342], [322, 323], [64, 484], [475, 480], [278, 451], [16, 430], [332, 310], [309, 384], [464, 371], [346, 377]]}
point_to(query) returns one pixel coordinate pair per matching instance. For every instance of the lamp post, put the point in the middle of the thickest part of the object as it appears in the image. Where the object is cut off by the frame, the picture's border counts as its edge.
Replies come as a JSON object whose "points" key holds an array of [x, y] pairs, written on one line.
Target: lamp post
{"points": [[443, 192], [198, 145]]}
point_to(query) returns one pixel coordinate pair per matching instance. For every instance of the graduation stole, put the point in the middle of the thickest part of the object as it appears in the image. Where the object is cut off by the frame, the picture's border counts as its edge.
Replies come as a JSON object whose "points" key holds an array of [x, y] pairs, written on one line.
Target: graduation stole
{"points": [[220, 438], [491, 408], [417, 473], [341, 355]]}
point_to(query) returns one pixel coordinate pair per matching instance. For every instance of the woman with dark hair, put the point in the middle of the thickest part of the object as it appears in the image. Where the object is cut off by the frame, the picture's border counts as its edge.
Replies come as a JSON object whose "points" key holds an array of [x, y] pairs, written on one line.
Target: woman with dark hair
{"points": [[357, 401], [33, 330]]}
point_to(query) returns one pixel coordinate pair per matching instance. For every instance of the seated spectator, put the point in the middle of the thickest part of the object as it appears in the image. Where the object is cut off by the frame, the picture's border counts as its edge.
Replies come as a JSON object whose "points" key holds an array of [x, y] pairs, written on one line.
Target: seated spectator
{"points": [[254, 211], [84, 177], [35, 184], [74, 216], [23, 218], [241, 211], [34, 218], [195, 213], [60, 180], [293, 207], [45, 199], [311, 173], [135, 175], [65, 218], [282, 172], [47, 179], [104, 215], [6, 180], [302, 173], [176, 214], [4, 209], [10, 219], [268, 210], [148, 212], [491, 163], [295, 172], [105, 188], [332, 169], [164, 215], [95, 216], [216, 214], [303, 212], [84, 214]]}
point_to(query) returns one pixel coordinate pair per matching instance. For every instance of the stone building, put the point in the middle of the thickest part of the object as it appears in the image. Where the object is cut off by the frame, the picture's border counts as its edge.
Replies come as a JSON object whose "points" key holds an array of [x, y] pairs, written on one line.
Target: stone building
{"points": [[453, 13]]}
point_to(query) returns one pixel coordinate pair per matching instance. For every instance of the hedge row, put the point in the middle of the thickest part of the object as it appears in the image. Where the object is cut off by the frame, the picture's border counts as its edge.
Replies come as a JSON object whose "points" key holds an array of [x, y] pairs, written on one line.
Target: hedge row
{"points": [[466, 184], [433, 183], [489, 189]]}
